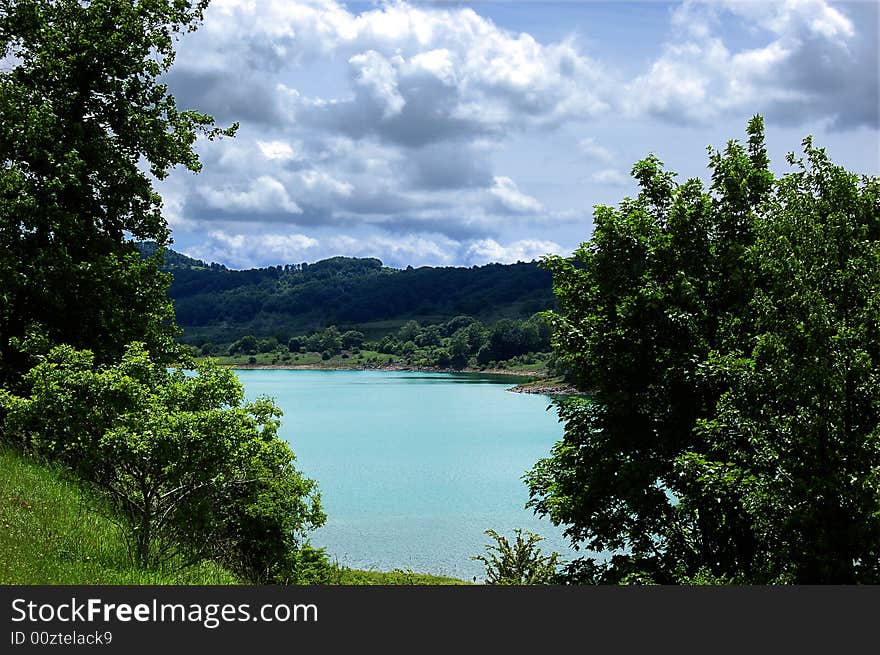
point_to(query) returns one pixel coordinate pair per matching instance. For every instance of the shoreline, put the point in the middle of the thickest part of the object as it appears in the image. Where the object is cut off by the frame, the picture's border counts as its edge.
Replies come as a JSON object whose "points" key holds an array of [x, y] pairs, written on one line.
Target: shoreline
{"points": [[547, 390], [533, 382], [388, 367]]}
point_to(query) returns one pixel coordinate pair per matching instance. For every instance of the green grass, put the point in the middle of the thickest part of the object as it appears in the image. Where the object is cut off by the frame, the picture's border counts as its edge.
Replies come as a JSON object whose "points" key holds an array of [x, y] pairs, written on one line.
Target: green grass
{"points": [[51, 532], [346, 576]]}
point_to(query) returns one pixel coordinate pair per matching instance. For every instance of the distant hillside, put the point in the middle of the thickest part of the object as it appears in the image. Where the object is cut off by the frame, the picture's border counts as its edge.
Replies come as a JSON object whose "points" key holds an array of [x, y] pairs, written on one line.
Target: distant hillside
{"points": [[175, 260], [219, 304]]}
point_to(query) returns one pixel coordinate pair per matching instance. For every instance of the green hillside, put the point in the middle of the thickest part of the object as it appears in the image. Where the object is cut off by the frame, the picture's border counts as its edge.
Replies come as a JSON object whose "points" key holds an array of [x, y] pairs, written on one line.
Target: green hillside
{"points": [[51, 532], [213, 303]]}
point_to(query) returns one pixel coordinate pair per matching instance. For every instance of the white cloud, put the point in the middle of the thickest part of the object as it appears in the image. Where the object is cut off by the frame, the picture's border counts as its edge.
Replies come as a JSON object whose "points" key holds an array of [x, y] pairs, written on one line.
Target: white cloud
{"points": [[808, 68], [589, 147], [395, 120], [791, 17], [438, 63], [433, 250], [487, 80], [263, 195], [611, 176], [251, 250], [485, 76], [378, 76], [489, 251], [511, 198], [321, 180], [275, 149]]}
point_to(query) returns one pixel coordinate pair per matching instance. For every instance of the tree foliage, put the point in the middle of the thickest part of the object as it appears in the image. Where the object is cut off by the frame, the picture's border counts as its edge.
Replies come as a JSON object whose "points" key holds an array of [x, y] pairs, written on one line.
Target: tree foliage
{"points": [[181, 459], [82, 109], [86, 126], [728, 339], [520, 562]]}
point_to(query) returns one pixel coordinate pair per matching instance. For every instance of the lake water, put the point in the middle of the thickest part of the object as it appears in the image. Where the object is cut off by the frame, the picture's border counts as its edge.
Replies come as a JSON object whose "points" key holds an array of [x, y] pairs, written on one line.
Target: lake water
{"points": [[413, 467]]}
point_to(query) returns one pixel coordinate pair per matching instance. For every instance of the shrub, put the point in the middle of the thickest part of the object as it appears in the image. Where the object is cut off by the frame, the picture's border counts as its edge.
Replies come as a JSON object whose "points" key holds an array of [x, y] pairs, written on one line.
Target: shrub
{"points": [[520, 563], [188, 467]]}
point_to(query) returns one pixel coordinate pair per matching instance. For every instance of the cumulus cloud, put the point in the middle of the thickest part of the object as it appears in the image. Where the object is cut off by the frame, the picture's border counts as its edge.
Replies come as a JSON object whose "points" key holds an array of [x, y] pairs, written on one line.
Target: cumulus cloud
{"points": [[511, 199], [247, 250], [392, 119], [815, 65], [320, 180], [417, 74], [488, 251], [238, 250], [813, 16], [275, 149], [591, 148], [230, 93], [445, 166], [611, 176], [433, 250], [264, 195], [378, 77]]}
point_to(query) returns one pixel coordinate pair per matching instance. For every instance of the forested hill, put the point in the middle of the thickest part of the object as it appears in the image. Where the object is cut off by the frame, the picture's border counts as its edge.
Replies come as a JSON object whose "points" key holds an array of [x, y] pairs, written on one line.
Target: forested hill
{"points": [[221, 304]]}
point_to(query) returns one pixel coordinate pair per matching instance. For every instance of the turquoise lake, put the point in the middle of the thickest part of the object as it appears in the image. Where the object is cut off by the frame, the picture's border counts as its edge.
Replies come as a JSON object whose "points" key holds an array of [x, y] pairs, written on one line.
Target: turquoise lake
{"points": [[413, 467]]}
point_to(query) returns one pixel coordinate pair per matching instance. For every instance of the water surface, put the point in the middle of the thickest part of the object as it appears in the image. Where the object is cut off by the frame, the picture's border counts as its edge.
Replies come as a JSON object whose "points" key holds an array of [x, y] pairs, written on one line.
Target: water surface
{"points": [[413, 467]]}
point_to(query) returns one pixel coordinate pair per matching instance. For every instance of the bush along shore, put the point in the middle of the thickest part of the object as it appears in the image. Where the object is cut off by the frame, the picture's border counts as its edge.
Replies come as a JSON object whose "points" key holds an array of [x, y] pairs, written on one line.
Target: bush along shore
{"points": [[531, 380], [55, 531]]}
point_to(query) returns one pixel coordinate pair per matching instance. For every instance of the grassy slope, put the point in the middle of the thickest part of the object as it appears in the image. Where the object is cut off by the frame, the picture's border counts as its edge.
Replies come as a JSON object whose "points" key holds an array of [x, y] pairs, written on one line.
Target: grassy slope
{"points": [[51, 533]]}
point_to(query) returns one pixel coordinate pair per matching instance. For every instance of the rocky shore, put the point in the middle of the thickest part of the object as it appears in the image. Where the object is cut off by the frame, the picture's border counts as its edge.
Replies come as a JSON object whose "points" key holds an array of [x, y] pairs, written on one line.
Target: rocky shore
{"points": [[536, 384], [546, 388]]}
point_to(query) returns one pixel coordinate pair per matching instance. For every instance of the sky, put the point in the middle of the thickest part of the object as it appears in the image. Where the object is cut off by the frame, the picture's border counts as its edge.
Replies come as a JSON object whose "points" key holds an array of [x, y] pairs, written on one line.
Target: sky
{"points": [[464, 133]]}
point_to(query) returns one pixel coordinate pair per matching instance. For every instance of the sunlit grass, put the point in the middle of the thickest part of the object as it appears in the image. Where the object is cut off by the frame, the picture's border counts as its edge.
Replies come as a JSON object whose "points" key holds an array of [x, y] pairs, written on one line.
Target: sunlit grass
{"points": [[346, 576], [52, 533]]}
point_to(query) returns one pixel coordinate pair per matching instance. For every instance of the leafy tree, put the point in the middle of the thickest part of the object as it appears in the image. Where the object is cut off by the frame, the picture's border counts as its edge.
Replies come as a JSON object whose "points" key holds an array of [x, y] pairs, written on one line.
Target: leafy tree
{"points": [[388, 344], [409, 331], [728, 341], [296, 344], [268, 345], [477, 336], [506, 341], [430, 335], [440, 357], [331, 340], [81, 108], [247, 345], [352, 339], [407, 349], [451, 326], [536, 333], [459, 348], [182, 460], [519, 563]]}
